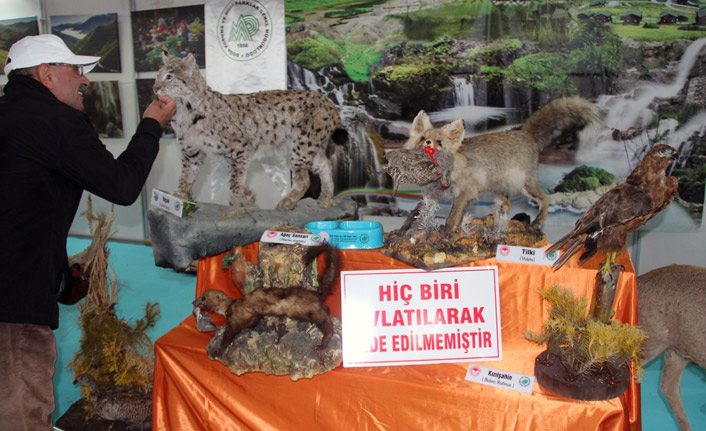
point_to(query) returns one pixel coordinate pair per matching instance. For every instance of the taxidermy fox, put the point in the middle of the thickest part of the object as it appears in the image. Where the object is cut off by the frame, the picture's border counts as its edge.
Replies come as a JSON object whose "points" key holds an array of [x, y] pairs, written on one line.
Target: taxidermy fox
{"points": [[671, 301], [503, 163]]}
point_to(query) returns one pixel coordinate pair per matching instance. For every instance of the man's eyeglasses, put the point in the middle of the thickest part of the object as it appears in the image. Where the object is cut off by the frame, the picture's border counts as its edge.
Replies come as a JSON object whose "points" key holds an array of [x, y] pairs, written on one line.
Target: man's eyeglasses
{"points": [[76, 67]]}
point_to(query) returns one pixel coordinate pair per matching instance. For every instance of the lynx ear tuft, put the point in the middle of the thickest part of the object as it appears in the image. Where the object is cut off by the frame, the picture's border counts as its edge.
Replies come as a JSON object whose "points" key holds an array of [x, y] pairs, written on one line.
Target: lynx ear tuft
{"points": [[192, 65]]}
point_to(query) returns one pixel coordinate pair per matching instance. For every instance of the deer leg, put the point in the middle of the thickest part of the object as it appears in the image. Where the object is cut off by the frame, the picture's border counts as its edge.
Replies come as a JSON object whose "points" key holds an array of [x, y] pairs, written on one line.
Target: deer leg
{"points": [[674, 365], [654, 345]]}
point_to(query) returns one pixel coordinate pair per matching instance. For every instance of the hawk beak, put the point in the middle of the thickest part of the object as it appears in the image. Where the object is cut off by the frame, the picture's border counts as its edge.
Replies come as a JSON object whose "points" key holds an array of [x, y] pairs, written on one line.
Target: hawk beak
{"points": [[672, 155]]}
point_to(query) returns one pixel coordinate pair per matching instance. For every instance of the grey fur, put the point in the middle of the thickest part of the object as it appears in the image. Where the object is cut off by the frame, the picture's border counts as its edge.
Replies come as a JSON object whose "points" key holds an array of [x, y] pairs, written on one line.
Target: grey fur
{"points": [[299, 124]]}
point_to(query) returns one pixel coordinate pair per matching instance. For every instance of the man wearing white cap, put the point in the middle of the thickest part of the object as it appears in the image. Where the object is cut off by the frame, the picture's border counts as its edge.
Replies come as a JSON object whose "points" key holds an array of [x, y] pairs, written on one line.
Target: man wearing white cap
{"points": [[49, 154]]}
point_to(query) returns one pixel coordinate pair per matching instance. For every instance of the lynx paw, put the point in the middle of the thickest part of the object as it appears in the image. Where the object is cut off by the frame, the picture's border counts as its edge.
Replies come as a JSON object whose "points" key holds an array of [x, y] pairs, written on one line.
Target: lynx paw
{"points": [[243, 198], [181, 194], [325, 202], [286, 204]]}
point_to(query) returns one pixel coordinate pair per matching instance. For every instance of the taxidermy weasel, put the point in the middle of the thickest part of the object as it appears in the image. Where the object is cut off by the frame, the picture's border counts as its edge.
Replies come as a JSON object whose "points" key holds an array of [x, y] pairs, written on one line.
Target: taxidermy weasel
{"points": [[295, 302]]}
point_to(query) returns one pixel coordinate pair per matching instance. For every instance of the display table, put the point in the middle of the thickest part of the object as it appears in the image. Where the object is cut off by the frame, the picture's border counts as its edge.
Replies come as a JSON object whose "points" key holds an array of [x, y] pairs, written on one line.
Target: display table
{"points": [[192, 392]]}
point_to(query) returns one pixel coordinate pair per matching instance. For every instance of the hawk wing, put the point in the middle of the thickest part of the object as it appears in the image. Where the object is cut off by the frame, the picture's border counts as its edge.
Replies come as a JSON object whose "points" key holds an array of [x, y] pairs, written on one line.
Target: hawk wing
{"points": [[608, 221]]}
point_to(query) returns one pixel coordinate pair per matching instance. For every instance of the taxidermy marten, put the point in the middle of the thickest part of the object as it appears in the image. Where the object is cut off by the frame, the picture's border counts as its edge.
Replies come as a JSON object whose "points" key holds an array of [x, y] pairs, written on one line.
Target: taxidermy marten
{"points": [[295, 302]]}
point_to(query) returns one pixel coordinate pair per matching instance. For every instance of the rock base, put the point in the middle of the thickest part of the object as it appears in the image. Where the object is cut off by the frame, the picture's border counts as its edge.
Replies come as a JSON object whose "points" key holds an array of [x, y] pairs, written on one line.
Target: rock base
{"points": [[213, 229], [604, 384], [280, 346], [431, 249]]}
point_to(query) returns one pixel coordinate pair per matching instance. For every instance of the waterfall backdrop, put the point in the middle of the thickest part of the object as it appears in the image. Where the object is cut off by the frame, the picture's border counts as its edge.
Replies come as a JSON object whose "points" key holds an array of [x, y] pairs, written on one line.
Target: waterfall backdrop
{"points": [[494, 63]]}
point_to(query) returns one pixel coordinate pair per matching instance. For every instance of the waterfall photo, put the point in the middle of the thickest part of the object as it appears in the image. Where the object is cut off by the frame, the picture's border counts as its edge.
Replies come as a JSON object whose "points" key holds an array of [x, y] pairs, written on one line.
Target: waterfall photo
{"points": [[102, 105], [493, 64], [95, 35]]}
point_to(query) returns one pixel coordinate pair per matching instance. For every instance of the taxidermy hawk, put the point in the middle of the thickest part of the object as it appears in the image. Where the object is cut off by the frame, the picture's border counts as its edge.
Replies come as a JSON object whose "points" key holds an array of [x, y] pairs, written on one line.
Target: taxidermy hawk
{"points": [[606, 224]]}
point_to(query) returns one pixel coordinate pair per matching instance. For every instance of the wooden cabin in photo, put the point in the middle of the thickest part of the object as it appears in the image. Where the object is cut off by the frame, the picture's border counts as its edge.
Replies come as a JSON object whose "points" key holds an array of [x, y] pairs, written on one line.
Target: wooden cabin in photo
{"points": [[589, 14], [603, 16], [633, 17], [672, 17]]}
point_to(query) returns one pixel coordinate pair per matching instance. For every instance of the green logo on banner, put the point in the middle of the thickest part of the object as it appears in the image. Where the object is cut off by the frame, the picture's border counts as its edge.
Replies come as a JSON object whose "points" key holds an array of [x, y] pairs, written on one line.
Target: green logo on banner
{"points": [[244, 29]]}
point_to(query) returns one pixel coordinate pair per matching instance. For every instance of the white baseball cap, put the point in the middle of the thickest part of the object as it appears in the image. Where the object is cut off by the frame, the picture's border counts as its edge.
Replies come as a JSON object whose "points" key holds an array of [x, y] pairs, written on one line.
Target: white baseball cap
{"points": [[44, 48]]}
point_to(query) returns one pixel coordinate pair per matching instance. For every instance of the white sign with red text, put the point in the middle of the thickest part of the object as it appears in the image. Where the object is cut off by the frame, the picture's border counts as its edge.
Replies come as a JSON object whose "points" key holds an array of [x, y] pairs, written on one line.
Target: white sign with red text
{"points": [[411, 316]]}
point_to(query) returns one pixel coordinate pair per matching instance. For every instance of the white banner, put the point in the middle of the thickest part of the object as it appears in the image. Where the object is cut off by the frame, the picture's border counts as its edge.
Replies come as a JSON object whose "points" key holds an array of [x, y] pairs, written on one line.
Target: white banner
{"points": [[409, 316], [245, 46]]}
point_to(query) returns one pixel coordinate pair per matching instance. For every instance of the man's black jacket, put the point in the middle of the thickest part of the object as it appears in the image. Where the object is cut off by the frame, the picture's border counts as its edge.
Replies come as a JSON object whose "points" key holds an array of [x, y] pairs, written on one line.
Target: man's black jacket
{"points": [[49, 154]]}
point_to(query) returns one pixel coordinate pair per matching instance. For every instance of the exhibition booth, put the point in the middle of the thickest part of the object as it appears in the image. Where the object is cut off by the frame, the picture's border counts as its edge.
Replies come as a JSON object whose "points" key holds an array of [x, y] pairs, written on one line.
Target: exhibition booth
{"points": [[377, 71], [194, 392]]}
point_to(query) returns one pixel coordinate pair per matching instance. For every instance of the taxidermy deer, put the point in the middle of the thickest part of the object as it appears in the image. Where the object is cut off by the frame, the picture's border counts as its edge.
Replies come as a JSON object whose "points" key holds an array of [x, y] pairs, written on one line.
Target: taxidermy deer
{"points": [[671, 306]]}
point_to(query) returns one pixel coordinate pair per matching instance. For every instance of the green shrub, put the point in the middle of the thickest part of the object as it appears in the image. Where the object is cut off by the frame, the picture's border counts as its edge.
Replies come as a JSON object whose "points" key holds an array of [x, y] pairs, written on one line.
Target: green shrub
{"points": [[313, 53], [544, 72], [583, 178], [692, 182]]}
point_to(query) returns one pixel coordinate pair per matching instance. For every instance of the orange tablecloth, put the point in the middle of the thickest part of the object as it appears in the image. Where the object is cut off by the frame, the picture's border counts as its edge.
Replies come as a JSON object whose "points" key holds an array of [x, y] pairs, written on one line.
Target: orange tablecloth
{"points": [[192, 392]]}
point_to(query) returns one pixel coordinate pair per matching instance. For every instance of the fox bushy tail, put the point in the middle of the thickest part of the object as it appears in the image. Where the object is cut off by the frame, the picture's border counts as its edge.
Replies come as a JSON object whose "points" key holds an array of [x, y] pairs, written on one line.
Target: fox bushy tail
{"points": [[562, 116]]}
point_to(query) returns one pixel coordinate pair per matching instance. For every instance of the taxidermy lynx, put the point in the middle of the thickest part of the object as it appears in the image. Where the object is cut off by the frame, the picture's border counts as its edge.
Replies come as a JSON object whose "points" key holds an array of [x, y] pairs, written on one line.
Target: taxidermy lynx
{"points": [[301, 123], [503, 163], [670, 309]]}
